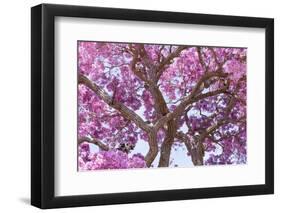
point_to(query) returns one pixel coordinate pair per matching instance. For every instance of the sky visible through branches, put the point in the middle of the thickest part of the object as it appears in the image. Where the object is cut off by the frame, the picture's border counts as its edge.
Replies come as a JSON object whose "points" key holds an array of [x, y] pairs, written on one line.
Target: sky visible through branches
{"points": [[158, 105]]}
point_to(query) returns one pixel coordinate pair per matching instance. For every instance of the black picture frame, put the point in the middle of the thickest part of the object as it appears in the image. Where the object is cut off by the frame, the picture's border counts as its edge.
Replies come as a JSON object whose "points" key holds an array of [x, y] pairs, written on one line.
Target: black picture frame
{"points": [[43, 102]]}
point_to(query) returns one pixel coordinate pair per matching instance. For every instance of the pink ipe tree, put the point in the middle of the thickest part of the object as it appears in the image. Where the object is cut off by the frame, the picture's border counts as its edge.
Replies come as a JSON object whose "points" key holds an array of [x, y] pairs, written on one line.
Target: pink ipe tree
{"points": [[139, 103]]}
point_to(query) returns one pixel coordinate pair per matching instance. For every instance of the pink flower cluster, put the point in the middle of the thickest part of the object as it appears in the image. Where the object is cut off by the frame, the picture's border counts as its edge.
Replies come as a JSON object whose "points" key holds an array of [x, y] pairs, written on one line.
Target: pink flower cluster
{"points": [[113, 159]]}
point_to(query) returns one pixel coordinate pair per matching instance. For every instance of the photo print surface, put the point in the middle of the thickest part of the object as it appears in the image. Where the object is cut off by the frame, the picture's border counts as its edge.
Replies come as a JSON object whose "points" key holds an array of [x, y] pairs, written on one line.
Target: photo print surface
{"points": [[160, 105]]}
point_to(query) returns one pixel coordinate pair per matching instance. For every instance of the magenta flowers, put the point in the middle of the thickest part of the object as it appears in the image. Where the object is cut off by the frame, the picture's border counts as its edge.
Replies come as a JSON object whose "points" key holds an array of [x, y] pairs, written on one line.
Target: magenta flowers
{"points": [[147, 105]]}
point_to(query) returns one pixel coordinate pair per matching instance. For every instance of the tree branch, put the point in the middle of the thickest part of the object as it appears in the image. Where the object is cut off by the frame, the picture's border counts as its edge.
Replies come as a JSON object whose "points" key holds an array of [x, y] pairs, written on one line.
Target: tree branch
{"points": [[195, 153], [227, 111], [125, 111], [95, 141], [168, 60], [182, 137], [180, 108], [133, 67], [201, 61]]}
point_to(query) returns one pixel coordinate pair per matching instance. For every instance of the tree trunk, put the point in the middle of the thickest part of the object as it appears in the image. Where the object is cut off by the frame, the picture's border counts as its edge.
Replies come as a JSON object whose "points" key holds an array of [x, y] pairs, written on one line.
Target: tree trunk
{"points": [[167, 144], [153, 148], [165, 152], [197, 154]]}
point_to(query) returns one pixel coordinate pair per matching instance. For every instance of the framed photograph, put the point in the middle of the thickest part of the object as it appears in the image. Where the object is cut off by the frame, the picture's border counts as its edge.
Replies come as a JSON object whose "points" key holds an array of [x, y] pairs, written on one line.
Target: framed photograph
{"points": [[140, 106]]}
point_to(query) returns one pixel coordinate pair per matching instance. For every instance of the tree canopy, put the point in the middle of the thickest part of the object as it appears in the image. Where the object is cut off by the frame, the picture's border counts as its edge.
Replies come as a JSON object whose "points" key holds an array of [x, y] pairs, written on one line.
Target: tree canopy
{"points": [[167, 96]]}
